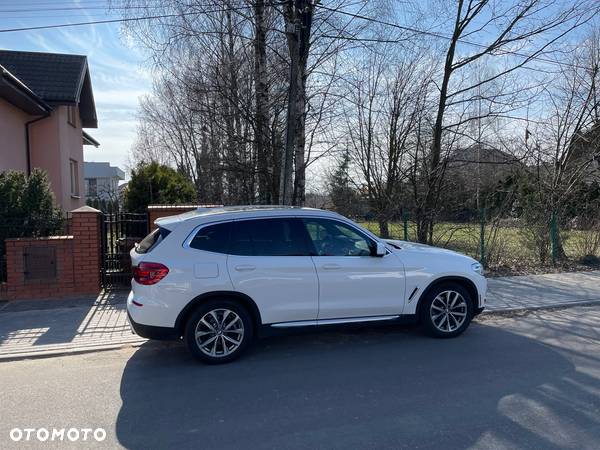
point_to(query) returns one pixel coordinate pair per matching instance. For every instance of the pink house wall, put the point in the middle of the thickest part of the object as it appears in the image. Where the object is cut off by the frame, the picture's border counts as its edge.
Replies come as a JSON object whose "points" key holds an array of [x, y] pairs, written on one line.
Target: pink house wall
{"points": [[12, 137], [53, 143], [43, 139], [71, 148]]}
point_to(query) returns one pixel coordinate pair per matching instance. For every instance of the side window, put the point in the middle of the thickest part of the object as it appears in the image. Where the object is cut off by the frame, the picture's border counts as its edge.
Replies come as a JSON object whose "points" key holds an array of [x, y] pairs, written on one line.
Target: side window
{"points": [[268, 237], [212, 238], [72, 113], [74, 169], [333, 238]]}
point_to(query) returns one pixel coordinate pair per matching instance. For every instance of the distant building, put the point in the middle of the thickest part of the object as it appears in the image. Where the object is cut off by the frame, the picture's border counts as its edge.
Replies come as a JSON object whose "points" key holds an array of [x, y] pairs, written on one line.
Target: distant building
{"points": [[102, 180], [480, 165], [585, 153]]}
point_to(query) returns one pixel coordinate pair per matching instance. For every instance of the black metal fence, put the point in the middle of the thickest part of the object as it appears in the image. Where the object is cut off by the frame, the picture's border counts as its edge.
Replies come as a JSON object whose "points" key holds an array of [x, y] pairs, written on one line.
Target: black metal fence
{"points": [[120, 232], [29, 226]]}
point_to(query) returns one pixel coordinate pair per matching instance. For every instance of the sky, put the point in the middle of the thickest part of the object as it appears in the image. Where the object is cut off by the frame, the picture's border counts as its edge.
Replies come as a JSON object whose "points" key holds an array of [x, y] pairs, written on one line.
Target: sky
{"points": [[119, 76]]}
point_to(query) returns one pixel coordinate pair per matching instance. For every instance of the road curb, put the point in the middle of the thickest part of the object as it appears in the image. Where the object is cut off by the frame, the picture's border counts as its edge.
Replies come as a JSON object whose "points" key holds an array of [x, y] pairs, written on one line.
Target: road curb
{"points": [[51, 353], [524, 310]]}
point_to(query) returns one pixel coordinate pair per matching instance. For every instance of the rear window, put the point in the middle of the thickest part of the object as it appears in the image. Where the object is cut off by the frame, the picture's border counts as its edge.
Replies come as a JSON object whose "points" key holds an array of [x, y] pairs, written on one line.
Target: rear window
{"points": [[212, 238], [152, 240]]}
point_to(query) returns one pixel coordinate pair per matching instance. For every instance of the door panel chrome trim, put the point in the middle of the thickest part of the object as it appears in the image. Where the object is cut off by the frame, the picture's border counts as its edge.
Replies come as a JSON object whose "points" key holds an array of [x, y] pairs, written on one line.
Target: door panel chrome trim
{"points": [[304, 323], [299, 323]]}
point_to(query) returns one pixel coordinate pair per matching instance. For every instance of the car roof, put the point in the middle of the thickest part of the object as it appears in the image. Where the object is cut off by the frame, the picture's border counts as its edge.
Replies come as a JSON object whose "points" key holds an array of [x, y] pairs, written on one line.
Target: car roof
{"points": [[210, 214]]}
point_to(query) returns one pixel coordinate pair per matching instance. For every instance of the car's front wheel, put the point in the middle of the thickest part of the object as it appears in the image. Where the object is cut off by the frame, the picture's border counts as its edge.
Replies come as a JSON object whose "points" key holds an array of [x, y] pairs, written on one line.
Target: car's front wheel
{"points": [[218, 331], [447, 310]]}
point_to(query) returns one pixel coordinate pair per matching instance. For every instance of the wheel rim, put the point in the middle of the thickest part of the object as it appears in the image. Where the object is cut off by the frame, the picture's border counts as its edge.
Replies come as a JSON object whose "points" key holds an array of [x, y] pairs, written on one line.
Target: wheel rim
{"points": [[448, 311], [219, 332]]}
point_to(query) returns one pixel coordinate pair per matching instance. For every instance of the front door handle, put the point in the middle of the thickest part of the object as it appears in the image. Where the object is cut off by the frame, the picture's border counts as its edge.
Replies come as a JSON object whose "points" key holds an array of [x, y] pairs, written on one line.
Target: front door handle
{"points": [[331, 266], [244, 268]]}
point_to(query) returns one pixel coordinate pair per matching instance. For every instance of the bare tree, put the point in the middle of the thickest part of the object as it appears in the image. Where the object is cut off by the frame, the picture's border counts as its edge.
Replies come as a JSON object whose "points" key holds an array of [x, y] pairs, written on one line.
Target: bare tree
{"points": [[566, 142], [386, 105], [298, 15], [514, 32]]}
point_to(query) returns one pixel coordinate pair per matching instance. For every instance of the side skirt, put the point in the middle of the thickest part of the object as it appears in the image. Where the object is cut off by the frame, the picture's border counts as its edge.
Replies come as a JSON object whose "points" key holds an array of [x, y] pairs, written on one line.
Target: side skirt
{"points": [[304, 323], [303, 326]]}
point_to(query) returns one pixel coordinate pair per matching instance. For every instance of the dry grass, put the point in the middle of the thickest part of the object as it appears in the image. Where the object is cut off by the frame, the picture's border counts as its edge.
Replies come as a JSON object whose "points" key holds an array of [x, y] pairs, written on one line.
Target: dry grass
{"points": [[507, 253]]}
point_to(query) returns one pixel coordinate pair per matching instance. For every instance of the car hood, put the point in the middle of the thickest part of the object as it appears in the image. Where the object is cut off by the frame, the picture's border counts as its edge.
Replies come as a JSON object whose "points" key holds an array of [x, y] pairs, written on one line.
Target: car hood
{"points": [[399, 246]]}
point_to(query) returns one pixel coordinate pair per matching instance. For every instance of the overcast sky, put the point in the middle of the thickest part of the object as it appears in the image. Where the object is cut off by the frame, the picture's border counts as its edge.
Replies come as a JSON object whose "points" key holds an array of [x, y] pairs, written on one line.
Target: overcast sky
{"points": [[118, 75]]}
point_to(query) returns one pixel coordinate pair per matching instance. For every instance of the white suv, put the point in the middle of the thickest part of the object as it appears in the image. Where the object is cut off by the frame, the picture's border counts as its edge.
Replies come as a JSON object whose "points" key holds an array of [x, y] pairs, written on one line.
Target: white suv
{"points": [[218, 276]]}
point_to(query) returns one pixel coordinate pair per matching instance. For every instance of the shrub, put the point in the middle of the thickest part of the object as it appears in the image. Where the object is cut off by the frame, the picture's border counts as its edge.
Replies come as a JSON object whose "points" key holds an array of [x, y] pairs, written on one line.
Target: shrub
{"points": [[27, 206], [154, 183]]}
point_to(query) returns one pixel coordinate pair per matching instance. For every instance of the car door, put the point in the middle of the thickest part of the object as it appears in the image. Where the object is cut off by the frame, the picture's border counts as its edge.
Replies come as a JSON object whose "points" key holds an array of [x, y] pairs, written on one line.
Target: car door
{"points": [[352, 282], [269, 260]]}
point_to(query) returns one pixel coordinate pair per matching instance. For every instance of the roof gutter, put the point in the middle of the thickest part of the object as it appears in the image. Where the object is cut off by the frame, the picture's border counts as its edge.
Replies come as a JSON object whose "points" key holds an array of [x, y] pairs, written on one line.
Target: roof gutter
{"points": [[27, 143]]}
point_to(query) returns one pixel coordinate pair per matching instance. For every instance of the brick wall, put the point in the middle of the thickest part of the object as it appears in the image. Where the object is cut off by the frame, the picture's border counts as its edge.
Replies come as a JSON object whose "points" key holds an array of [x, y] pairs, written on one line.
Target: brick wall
{"points": [[74, 270], [18, 287], [158, 211]]}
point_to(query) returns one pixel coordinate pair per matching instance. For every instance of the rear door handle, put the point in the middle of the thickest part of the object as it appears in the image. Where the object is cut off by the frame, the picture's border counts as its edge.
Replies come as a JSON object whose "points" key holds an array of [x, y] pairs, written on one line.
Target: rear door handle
{"points": [[245, 268], [331, 266]]}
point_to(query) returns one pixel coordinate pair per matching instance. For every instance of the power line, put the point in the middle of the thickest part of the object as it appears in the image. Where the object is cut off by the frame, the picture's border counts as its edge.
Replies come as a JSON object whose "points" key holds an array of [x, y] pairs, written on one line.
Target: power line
{"points": [[81, 8], [128, 19], [334, 10], [433, 34]]}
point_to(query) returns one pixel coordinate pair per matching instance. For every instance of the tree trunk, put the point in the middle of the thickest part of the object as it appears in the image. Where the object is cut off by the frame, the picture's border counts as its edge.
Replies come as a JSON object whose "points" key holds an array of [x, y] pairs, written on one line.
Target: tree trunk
{"points": [[298, 17], [233, 177], [434, 176], [287, 159], [384, 229], [261, 93], [299, 163]]}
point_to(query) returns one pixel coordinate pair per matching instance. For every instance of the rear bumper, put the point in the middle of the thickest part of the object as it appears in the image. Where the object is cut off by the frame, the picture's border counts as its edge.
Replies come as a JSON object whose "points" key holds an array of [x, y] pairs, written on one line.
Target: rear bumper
{"points": [[152, 332]]}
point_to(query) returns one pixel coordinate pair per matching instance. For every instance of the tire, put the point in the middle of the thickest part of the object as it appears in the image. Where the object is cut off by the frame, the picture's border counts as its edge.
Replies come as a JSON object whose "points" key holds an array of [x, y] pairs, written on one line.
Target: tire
{"points": [[224, 329], [443, 308]]}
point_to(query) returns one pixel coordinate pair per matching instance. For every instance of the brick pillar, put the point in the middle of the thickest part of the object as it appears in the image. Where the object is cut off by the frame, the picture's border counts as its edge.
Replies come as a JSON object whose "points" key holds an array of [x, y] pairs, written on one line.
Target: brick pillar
{"points": [[86, 229]]}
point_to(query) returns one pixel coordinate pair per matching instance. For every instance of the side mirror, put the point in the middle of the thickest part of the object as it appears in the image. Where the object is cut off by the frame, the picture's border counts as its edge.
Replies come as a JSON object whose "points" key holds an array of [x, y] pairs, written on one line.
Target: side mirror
{"points": [[380, 249]]}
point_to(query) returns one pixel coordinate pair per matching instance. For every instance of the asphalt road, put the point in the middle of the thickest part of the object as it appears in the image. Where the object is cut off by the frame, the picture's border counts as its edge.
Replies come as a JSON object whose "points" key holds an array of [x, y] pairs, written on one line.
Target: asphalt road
{"points": [[524, 382]]}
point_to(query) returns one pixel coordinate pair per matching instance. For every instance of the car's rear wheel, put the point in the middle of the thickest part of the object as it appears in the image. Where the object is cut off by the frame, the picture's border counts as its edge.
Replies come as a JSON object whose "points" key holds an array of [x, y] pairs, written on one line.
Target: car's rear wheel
{"points": [[447, 310], [218, 331]]}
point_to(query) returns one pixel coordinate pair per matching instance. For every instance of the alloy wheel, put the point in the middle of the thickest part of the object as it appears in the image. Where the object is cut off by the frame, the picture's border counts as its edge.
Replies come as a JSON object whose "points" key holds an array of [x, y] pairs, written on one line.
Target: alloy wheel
{"points": [[448, 311], [219, 332]]}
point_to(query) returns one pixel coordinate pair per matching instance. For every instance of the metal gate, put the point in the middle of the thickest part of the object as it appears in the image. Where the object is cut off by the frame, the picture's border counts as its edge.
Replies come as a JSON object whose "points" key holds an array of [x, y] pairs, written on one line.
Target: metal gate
{"points": [[120, 231]]}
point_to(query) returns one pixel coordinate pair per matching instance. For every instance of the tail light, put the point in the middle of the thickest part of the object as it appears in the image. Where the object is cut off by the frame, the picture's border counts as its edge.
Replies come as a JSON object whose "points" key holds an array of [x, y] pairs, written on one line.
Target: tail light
{"points": [[148, 273]]}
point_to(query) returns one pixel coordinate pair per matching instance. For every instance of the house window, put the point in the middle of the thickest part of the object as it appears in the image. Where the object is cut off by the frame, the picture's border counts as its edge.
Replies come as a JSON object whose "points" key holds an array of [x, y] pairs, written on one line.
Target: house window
{"points": [[92, 187], [72, 115], [74, 168]]}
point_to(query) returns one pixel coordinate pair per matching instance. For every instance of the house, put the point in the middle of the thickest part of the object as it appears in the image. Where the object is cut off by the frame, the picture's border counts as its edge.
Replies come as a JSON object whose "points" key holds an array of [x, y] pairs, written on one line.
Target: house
{"points": [[46, 100], [481, 165], [101, 180], [584, 154]]}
